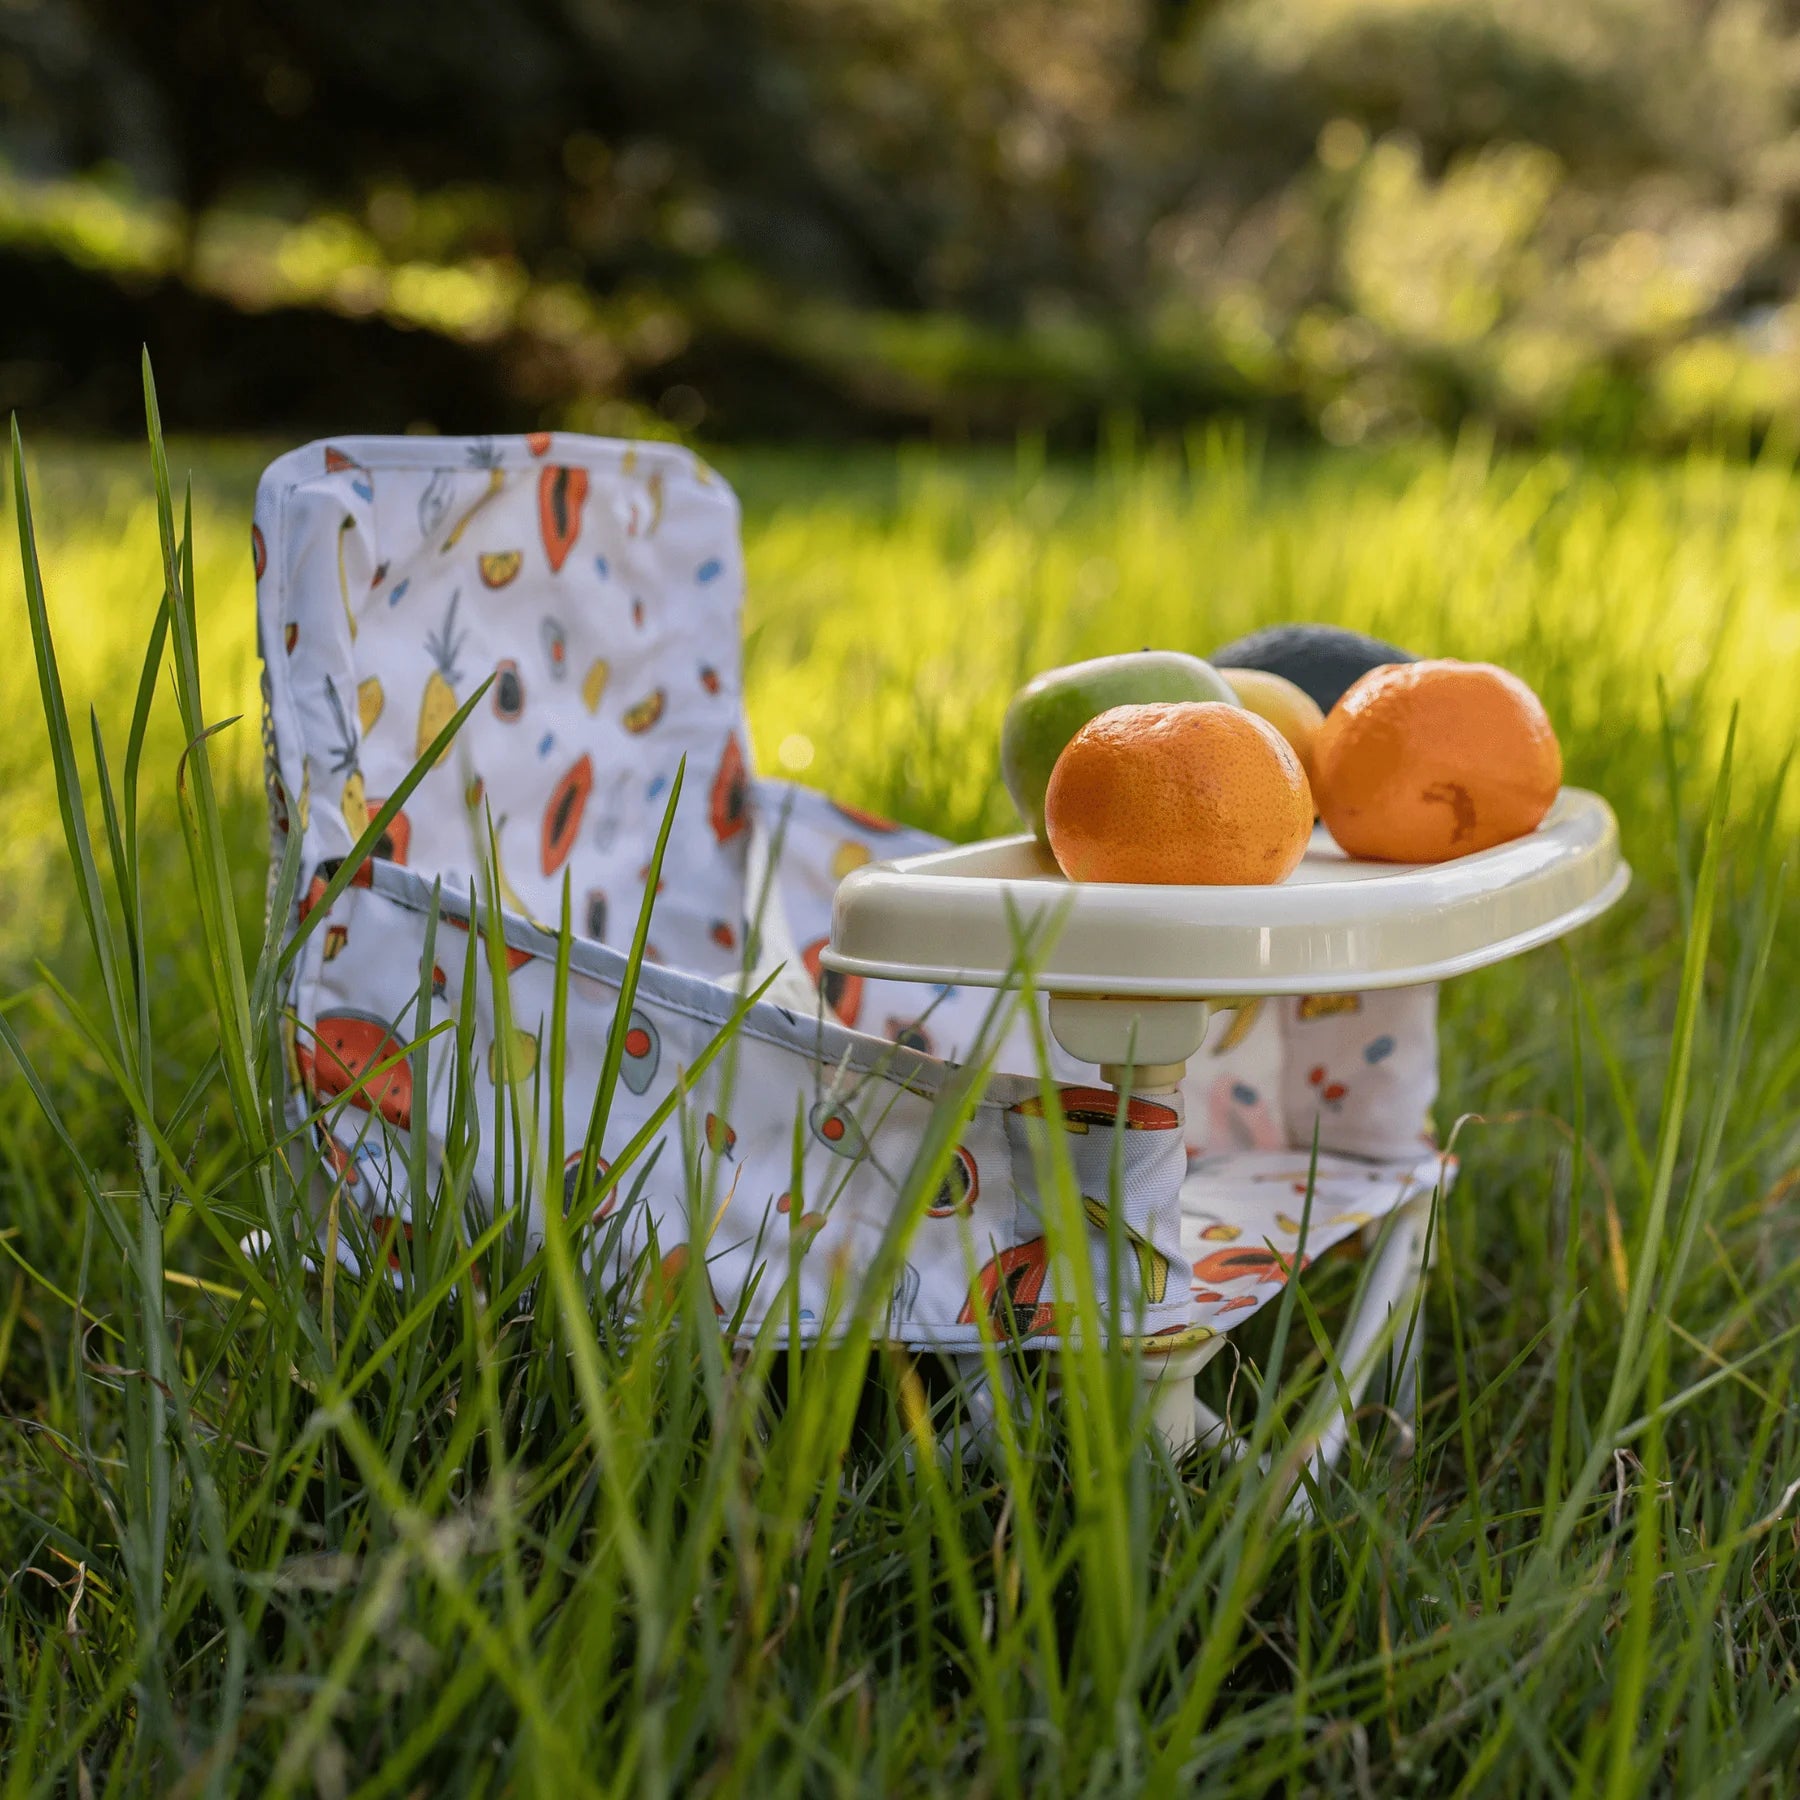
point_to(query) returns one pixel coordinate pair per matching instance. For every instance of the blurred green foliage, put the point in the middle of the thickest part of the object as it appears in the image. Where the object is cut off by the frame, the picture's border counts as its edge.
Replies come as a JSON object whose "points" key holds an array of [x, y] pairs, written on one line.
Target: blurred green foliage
{"points": [[1574, 219]]}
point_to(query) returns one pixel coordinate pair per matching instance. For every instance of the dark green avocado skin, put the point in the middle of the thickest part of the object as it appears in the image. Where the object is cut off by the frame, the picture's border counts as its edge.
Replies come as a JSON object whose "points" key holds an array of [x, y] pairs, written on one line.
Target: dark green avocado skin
{"points": [[1322, 660]]}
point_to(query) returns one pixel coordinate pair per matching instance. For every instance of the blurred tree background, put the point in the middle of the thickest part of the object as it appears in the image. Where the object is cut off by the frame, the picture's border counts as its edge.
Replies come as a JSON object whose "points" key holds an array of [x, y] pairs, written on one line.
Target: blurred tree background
{"points": [[1574, 219]]}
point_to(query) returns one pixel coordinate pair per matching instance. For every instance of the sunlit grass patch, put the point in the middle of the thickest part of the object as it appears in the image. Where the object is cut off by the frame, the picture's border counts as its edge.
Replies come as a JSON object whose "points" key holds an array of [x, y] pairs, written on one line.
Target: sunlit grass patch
{"points": [[440, 1534]]}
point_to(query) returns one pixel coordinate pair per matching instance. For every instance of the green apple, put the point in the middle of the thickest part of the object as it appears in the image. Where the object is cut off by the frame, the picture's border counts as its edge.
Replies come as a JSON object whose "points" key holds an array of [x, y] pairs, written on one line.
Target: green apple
{"points": [[1050, 708]]}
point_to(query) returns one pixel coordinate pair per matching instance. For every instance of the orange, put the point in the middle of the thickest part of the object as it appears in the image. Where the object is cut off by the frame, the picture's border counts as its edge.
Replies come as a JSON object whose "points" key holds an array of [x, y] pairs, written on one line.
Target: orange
{"points": [[1423, 761], [1198, 792], [1291, 710]]}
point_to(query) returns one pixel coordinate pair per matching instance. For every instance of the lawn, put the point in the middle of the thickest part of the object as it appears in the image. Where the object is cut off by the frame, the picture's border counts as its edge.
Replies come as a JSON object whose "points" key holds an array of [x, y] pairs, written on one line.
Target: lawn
{"points": [[443, 1539]]}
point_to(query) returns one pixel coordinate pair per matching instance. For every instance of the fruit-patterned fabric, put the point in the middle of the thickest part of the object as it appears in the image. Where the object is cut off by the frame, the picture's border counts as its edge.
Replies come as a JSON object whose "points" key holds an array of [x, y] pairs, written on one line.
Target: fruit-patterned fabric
{"points": [[600, 585]]}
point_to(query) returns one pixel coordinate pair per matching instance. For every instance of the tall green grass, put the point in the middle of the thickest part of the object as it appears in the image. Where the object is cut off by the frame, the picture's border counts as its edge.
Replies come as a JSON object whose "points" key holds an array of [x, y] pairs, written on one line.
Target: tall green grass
{"points": [[447, 1535]]}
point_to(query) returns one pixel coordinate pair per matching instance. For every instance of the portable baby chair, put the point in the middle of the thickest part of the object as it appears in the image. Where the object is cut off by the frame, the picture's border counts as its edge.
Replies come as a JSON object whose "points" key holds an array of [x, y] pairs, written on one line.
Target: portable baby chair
{"points": [[600, 585]]}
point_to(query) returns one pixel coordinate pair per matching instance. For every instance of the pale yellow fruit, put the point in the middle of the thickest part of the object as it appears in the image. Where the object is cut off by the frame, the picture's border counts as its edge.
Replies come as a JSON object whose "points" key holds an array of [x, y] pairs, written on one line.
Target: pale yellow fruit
{"points": [[1291, 710]]}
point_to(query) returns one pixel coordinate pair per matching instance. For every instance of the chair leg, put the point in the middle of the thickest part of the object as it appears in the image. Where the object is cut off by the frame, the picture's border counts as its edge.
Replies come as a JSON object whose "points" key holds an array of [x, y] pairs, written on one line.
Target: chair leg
{"points": [[1381, 1327], [1169, 1385]]}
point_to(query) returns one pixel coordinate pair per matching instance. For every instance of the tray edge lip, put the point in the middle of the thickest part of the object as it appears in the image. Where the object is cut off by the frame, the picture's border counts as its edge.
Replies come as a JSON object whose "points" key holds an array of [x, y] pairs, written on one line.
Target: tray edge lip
{"points": [[1246, 987]]}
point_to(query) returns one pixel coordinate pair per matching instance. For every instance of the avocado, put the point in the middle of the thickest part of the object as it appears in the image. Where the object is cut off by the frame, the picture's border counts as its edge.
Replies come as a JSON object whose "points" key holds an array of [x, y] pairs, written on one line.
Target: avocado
{"points": [[1321, 660]]}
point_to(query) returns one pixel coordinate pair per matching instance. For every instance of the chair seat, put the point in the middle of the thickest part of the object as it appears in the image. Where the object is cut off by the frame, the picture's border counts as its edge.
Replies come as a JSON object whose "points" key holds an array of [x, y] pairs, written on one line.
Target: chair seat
{"points": [[1243, 1214]]}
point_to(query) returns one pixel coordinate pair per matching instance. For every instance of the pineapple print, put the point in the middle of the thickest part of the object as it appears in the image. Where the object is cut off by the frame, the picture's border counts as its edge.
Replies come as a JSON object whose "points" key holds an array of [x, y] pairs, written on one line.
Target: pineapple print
{"points": [[369, 702], [438, 704], [354, 801]]}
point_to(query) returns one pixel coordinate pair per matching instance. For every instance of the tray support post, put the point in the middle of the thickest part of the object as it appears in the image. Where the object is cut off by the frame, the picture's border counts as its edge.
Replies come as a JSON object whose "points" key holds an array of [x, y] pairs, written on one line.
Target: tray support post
{"points": [[1151, 1038]]}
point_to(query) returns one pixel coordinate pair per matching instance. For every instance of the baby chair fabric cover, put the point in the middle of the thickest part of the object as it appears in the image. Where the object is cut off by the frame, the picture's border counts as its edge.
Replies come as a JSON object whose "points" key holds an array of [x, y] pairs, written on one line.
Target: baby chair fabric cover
{"points": [[600, 584]]}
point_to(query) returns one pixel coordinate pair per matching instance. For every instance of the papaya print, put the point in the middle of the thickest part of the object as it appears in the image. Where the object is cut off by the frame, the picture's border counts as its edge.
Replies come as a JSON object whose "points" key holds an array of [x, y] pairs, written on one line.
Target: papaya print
{"points": [[498, 567], [721, 934], [643, 1052], [709, 678], [572, 1184], [593, 683], [801, 1221], [290, 637], [509, 692], [841, 992], [1007, 1292], [662, 1286], [259, 551], [388, 1231], [1085, 1107], [538, 442], [352, 802], [556, 648], [345, 527], [1152, 1265], [315, 889], [959, 1189], [639, 718], [1247, 1261], [562, 492], [562, 817], [721, 1140], [909, 1034], [831, 1122], [396, 839], [728, 806], [437, 705], [369, 702], [344, 1050]]}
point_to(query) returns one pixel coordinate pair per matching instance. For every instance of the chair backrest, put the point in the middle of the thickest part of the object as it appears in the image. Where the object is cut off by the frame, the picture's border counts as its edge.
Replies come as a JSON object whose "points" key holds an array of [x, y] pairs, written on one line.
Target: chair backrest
{"points": [[600, 585]]}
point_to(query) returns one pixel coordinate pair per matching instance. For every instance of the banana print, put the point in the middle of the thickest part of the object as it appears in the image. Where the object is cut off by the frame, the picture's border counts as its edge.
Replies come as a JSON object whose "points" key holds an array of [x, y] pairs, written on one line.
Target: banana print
{"points": [[1152, 1264], [345, 527], [1243, 1022], [495, 482]]}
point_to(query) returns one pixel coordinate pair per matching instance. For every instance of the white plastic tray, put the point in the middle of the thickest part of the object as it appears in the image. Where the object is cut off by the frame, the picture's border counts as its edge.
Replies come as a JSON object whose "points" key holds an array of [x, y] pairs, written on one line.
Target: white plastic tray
{"points": [[1335, 925]]}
